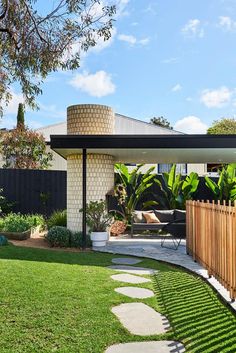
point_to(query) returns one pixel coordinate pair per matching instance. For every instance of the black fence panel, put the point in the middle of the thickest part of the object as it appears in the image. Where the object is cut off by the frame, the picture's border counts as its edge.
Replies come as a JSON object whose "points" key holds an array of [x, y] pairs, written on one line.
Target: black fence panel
{"points": [[34, 191]]}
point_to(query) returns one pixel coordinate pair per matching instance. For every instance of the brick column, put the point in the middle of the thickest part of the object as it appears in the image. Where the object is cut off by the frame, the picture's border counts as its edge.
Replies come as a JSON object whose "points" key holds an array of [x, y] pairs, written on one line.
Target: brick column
{"points": [[88, 119]]}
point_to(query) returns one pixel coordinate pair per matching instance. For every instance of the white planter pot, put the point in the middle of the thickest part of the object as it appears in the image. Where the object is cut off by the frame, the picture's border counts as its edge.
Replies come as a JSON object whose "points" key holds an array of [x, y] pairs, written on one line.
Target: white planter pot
{"points": [[99, 238]]}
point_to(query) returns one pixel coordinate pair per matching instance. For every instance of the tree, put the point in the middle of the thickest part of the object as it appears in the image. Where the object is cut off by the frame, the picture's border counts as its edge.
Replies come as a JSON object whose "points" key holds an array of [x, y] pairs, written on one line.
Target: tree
{"points": [[32, 45], [23, 148], [21, 115], [161, 121], [223, 126]]}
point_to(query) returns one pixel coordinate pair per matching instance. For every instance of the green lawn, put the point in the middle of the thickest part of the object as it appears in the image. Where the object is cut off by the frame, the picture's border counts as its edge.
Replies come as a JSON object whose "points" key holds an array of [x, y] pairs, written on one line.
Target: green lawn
{"points": [[55, 301]]}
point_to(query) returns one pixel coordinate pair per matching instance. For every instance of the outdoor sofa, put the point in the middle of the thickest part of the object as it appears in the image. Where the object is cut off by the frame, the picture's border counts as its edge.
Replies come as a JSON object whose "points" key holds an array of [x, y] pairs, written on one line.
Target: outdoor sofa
{"points": [[172, 222]]}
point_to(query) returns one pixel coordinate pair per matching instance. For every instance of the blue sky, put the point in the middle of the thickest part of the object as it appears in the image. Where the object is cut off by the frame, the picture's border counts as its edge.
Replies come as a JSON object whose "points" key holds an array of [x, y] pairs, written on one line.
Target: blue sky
{"points": [[171, 58]]}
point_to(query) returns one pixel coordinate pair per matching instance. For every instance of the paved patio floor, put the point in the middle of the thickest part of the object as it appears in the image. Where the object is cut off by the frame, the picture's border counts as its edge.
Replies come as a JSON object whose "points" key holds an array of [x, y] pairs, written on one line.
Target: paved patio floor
{"points": [[151, 248]]}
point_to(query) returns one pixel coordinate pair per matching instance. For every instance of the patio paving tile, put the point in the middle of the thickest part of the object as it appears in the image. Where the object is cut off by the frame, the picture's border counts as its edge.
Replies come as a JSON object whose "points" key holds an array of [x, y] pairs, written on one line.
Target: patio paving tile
{"points": [[140, 319], [133, 269], [127, 278], [125, 261], [147, 347], [135, 292]]}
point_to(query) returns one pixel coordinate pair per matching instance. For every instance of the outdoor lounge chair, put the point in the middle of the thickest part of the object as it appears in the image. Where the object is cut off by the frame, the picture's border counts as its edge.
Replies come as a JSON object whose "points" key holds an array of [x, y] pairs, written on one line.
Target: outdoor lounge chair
{"points": [[176, 231]]}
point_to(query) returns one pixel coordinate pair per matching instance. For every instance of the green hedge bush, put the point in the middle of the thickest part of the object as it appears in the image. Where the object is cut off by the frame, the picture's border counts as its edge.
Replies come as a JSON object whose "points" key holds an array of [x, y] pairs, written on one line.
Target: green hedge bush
{"points": [[58, 218], [63, 237]]}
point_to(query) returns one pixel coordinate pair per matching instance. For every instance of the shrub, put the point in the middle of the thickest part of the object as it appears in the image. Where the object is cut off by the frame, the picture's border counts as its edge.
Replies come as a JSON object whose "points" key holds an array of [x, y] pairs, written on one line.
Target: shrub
{"points": [[59, 236], [77, 240], [58, 218], [36, 220], [15, 222]]}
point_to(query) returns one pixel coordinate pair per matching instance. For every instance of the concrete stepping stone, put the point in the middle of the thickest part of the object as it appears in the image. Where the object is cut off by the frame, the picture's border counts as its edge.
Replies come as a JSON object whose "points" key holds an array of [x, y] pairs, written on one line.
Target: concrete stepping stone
{"points": [[147, 347], [135, 292], [140, 319], [125, 277], [126, 261], [133, 269]]}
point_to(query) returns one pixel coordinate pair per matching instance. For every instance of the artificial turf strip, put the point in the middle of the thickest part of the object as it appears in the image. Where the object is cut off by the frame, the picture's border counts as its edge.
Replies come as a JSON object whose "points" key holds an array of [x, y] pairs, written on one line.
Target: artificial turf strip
{"points": [[197, 317], [61, 302]]}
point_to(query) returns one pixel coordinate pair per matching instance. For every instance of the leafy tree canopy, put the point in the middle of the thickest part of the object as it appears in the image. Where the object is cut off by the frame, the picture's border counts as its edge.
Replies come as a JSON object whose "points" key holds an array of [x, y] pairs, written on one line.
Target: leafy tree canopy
{"points": [[23, 148], [33, 44], [161, 121], [223, 126]]}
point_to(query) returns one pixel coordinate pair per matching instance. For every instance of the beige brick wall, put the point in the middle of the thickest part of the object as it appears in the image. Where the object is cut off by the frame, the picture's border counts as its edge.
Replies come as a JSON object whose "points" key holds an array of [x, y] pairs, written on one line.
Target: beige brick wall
{"points": [[100, 180], [88, 119]]}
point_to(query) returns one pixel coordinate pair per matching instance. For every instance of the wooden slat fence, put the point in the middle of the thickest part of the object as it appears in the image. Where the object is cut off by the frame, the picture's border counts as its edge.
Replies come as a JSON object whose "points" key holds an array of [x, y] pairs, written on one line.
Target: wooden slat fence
{"points": [[211, 240]]}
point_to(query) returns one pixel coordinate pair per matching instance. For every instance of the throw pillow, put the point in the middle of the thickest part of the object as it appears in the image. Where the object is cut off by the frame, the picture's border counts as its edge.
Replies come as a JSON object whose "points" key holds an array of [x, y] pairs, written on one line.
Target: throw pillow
{"points": [[151, 218]]}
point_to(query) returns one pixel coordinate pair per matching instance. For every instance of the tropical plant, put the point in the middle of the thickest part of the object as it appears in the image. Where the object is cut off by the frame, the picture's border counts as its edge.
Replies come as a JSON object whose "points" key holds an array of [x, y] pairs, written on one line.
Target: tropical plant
{"points": [[57, 218], [174, 190], [225, 188], [97, 217], [132, 188]]}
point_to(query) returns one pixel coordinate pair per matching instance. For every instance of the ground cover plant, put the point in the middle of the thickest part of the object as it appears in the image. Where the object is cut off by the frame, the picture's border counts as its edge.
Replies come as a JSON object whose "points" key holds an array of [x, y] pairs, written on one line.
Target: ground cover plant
{"points": [[16, 222], [55, 301]]}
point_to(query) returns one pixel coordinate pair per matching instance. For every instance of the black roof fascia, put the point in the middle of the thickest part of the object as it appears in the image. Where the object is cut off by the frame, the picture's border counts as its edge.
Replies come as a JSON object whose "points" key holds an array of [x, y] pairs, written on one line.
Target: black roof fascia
{"points": [[142, 141]]}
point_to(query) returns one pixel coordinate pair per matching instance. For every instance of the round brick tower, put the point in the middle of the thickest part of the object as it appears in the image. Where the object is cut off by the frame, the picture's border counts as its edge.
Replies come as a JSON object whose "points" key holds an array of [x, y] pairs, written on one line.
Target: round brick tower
{"points": [[88, 119]]}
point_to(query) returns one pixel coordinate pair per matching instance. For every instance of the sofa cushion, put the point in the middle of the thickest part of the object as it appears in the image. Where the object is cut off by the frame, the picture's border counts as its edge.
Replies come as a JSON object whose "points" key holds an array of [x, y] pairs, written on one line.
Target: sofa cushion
{"points": [[151, 217], [138, 216], [165, 216], [180, 215]]}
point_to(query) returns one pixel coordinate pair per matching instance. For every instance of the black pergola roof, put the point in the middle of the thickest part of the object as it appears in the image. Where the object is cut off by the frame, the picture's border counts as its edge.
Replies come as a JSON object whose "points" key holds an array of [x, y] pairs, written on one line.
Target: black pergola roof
{"points": [[151, 148]]}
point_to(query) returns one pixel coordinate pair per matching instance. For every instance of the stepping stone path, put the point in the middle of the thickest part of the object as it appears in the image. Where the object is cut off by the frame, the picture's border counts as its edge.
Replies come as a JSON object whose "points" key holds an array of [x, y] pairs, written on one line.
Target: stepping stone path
{"points": [[135, 292], [133, 270], [126, 261], [147, 347], [130, 278], [140, 319]]}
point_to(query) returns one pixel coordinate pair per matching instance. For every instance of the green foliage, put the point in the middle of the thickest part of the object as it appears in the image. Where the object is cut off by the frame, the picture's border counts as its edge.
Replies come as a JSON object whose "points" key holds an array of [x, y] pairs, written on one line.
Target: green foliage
{"points": [[174, 190], [58, 236], [224, 126], [76, 240], [21, 116], [161, 121], [35, 43], [16, 222], [58, 218], [23, 148], [97, 217], [5, 206], [132, 187], [225, 188]]}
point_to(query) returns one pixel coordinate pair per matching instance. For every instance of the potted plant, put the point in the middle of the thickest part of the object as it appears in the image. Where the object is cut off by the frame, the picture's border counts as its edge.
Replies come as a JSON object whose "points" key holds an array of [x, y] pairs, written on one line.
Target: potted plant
{"points": [[98, 220]]}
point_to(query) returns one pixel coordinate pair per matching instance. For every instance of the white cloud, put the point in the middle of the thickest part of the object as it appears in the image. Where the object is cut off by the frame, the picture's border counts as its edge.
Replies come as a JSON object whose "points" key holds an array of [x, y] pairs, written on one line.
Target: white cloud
{"points": [[227, 23], [173, 60], [12, 107], [176, 88], [97, 85], [216, 98], [121, 7], [193, 28], [132, 40], [191, 125]]}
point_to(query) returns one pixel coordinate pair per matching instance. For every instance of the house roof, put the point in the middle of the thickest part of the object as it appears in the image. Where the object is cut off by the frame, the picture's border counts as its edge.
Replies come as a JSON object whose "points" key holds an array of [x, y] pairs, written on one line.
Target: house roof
{"points": [[151, 148]]}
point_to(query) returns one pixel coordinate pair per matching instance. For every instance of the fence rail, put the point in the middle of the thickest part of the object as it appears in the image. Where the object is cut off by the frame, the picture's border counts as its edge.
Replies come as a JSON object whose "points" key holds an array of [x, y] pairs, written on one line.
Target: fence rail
{"points": [[211, 240]]}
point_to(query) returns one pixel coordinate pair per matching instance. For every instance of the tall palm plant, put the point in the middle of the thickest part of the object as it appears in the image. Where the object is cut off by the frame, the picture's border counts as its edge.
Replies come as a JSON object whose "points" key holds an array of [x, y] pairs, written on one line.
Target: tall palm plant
{"points": [[132, 188], [174, 190], [225, 188]]}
